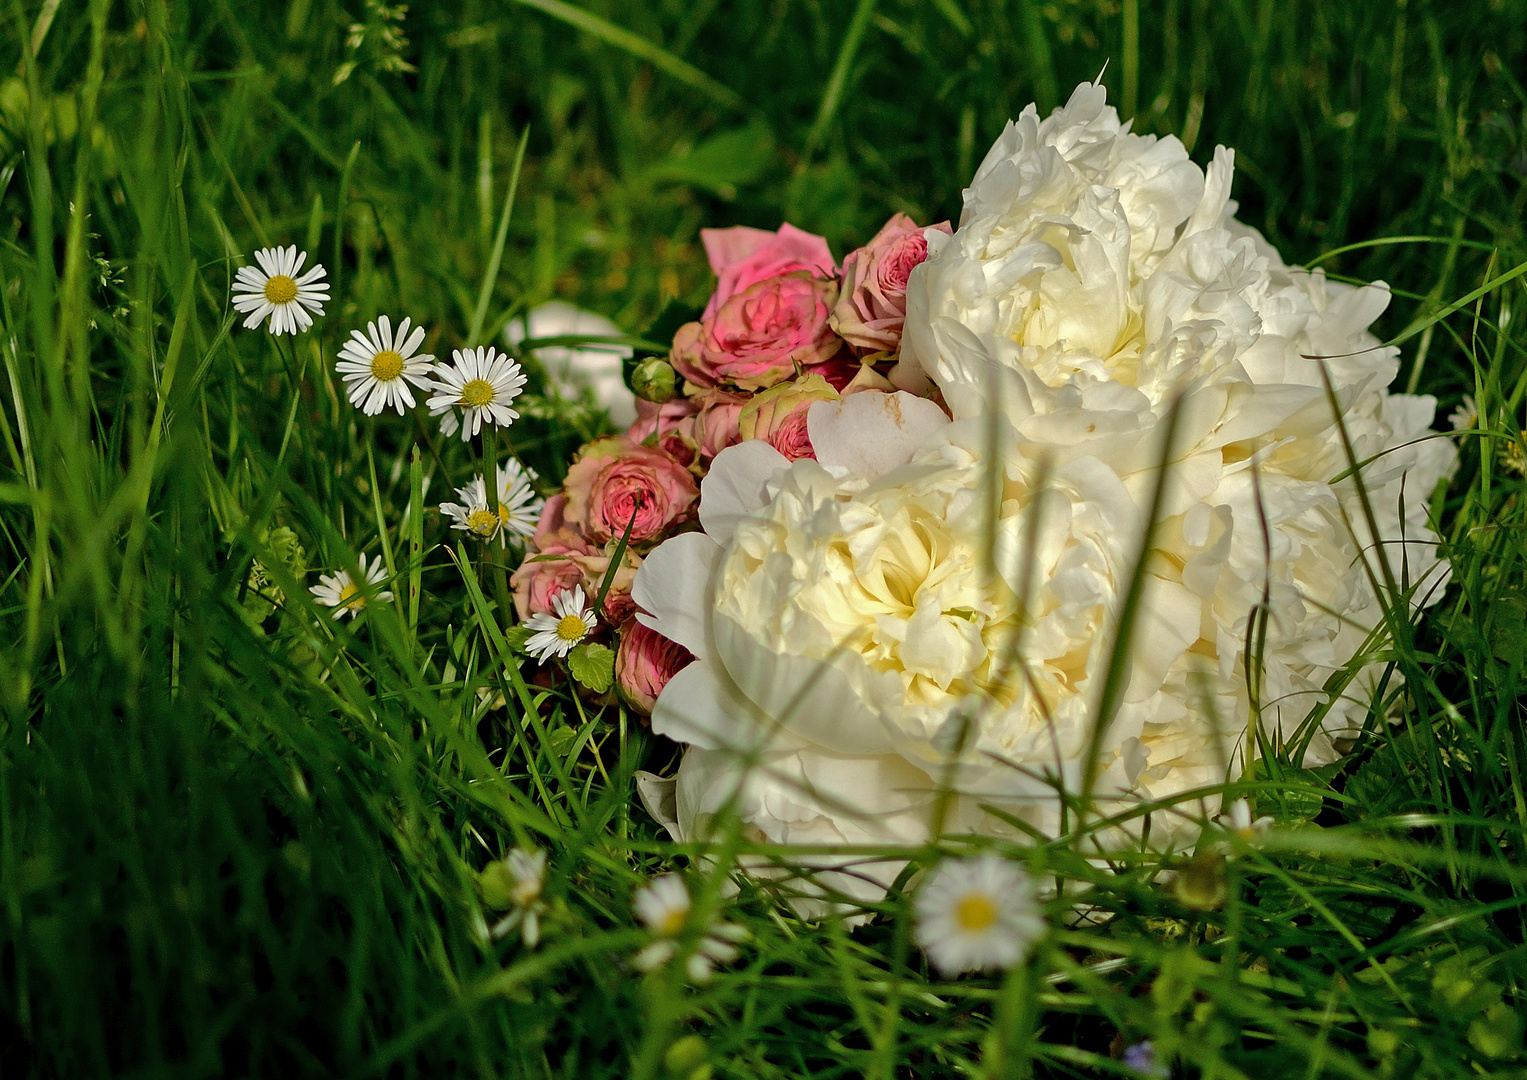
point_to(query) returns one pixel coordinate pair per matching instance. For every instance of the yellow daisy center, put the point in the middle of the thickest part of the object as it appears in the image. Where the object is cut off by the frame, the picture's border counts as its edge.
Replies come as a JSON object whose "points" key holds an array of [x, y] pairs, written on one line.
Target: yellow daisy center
{"points": [[974, 912], [280, 289], [349, 596], [477, 393], [386, 365], [485, 523], [571, 628], [672, 921]]}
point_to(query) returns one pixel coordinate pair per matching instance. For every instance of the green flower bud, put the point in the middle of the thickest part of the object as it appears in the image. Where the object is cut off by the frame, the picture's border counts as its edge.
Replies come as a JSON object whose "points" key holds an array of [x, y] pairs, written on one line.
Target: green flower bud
{"points": [[655, 380]]}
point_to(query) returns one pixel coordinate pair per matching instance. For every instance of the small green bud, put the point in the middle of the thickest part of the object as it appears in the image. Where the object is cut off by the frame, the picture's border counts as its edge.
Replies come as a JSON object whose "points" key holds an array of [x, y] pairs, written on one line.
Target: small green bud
{"points": [[685, 1059], [497, 886], [1200, 884], [655, 380]]}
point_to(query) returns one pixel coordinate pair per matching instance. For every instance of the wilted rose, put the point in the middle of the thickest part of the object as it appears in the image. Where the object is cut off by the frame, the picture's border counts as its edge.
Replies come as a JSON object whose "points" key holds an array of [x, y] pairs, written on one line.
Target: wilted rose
{"points": [[778, 415], [760, 335], [617, 483], [644, 663], [872, 306]]}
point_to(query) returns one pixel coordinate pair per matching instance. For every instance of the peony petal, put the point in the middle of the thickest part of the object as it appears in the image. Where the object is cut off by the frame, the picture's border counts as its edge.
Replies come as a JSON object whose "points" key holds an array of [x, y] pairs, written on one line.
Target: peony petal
{"points": [[813, 699], [870, 434], [734, 488], [659, 797], [672, 587], [700, 706]]}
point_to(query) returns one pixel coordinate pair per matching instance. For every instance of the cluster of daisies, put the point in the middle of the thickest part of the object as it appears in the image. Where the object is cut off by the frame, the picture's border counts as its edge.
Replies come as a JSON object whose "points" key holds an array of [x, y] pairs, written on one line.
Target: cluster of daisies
{"points": [[974, 914], [381, 368], [981, 913]]}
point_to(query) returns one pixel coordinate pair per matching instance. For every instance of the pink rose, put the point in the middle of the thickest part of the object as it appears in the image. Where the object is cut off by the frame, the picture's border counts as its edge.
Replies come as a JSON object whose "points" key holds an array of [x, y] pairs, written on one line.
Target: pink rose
{"points": [[873, 304], [668, 427], [760, 335], [539, 578], [778, 415], [553, 535], [644, 663], [742, 257], [659, 420], [839, 371], [616, 482], [714, 427], [542, 575]]}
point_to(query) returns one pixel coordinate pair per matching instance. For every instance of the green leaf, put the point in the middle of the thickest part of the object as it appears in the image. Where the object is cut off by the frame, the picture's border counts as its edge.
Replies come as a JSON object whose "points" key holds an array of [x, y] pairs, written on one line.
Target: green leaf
{"points": [[518, 637], [593, 666], [1508, 628], [722, 163]]}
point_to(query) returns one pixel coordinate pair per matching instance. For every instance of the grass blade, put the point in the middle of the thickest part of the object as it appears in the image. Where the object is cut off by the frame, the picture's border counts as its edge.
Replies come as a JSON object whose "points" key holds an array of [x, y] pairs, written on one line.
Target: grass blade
{"points": [[640, 48]]}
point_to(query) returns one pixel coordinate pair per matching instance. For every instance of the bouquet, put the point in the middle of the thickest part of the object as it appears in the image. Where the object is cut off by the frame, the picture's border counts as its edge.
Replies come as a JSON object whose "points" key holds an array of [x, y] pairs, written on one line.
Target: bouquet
{"points": [[1042, 524], [1036, 523]]}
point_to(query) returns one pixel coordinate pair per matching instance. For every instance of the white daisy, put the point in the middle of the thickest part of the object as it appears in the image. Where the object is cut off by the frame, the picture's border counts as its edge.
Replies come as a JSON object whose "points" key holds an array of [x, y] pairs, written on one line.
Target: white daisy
{"points": [[663, 907], [482, 383], [1237, 822], [526, 871], [343, 595], [555, 635], [519, 507], [976, 914], [1464, 416], [378, 366], [277, 290]]}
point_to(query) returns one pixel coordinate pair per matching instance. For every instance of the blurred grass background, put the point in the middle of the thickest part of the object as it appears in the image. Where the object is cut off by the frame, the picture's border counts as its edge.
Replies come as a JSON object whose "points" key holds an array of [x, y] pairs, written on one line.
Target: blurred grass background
{"points": [[236, 839]]}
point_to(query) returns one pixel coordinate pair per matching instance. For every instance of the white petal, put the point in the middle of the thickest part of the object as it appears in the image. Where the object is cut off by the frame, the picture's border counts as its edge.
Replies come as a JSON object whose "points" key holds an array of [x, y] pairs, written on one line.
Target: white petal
{"points": [[871, 433], [700, 706], [814, 699], [413, 341], [733, 489], [658, 797], [672, 588]]}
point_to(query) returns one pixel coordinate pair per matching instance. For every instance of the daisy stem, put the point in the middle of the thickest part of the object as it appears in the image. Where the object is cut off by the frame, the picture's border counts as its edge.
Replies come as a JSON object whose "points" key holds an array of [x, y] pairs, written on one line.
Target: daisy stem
{"points": [[499, 579], [289, 361], [1009, 1047]]}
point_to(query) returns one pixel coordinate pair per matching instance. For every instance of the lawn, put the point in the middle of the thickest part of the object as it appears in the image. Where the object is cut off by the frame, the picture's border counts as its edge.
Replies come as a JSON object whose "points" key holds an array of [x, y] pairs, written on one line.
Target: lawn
{"points": [[240, 838]]}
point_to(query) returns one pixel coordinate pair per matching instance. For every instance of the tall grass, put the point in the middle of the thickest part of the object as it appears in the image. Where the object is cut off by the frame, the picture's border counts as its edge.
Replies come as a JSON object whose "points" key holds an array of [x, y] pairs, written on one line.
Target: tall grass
{"points": [[238, 838]]}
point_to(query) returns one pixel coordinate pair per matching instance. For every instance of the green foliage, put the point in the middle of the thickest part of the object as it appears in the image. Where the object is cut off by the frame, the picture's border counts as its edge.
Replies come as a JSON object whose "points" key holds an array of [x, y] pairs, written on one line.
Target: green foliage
{"points": [[238, 837], [593, 665]]}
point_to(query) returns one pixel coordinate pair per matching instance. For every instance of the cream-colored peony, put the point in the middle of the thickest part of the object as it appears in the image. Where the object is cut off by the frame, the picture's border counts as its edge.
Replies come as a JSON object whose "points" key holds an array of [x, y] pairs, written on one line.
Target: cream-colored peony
{"points": [[934, 600]]}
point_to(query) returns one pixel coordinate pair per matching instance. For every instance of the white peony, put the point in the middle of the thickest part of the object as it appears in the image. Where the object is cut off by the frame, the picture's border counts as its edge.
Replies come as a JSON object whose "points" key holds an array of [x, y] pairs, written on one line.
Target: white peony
{"points": [[934, 601]]}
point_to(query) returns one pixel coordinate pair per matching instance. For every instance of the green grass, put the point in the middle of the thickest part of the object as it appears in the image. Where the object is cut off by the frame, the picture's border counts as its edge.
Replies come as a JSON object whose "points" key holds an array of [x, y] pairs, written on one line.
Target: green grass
{"points": [[239, 839]]}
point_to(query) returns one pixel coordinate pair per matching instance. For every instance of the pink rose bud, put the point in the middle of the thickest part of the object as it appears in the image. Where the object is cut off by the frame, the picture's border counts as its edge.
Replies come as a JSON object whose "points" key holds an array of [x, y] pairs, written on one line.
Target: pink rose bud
{"points": [[872, 307], [616, 482], [644, 663], [742, 257], [761, 335], [778, 415]]}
